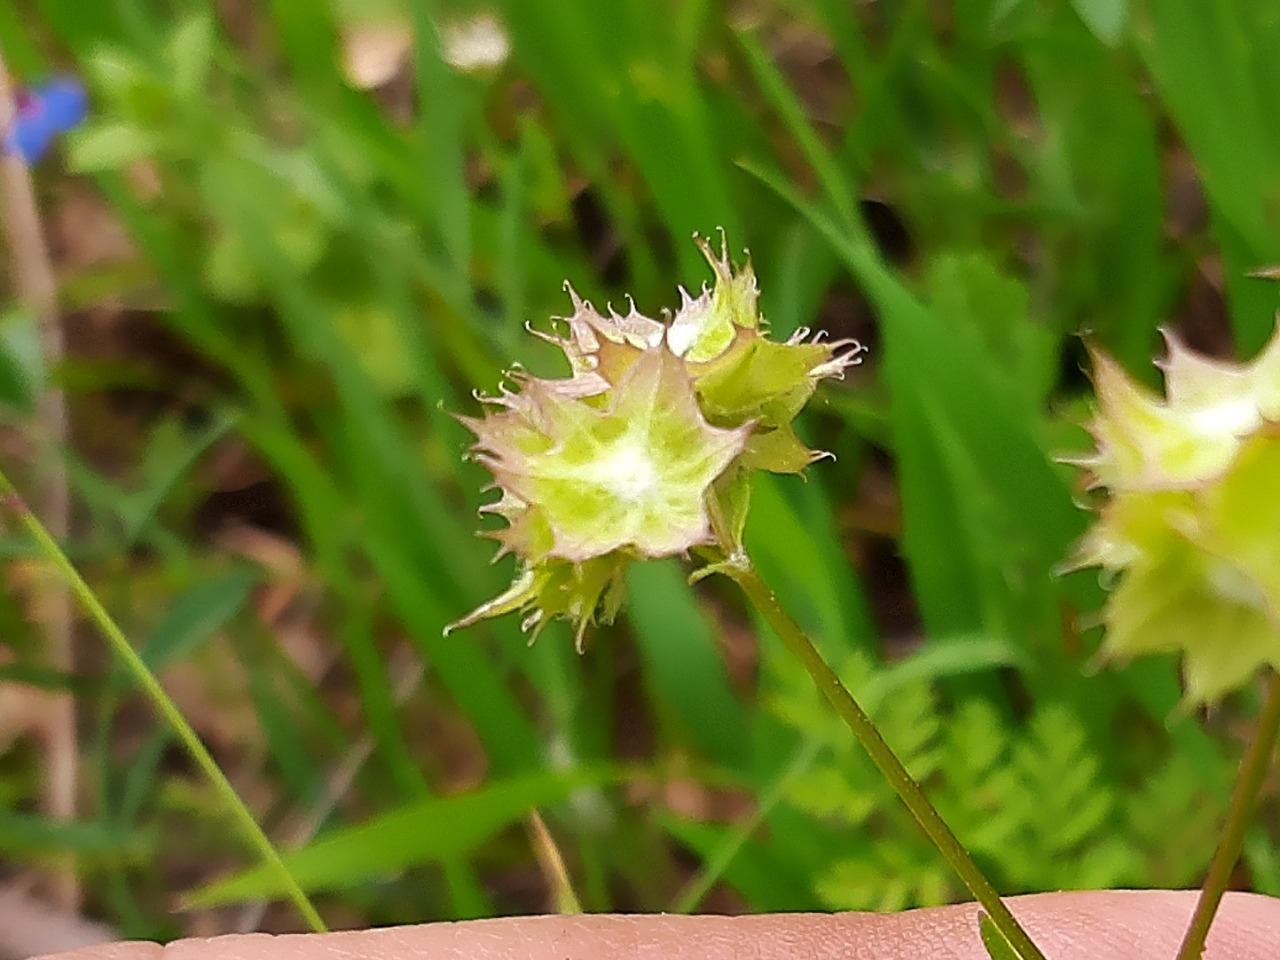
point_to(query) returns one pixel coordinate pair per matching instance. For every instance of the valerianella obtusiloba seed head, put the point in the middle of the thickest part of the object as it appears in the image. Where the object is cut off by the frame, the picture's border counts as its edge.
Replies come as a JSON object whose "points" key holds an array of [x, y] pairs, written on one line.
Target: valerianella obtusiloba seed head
{"points": [[1191, 519], [645, 449]]}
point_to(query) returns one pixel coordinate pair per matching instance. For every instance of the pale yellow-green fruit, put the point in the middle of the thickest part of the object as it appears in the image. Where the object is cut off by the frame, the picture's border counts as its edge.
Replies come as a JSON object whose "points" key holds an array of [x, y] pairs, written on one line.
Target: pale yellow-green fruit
{"points": [[644, 450], [1190, 523]]}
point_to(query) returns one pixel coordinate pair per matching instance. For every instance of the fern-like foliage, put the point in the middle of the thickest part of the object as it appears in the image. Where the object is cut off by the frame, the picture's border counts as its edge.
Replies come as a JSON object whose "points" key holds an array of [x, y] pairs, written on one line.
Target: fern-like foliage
{"points": [[1175, 819], [1031, 801]]}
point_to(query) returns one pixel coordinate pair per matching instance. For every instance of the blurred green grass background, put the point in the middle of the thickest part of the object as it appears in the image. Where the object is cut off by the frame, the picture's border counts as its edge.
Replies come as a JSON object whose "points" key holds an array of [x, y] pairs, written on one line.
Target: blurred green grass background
{"points": [[295, 236]]}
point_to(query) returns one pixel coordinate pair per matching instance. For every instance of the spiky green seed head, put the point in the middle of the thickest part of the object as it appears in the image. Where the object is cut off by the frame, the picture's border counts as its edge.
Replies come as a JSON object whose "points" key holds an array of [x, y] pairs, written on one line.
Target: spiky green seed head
{"points": [[645, 449], [1190, 519]]}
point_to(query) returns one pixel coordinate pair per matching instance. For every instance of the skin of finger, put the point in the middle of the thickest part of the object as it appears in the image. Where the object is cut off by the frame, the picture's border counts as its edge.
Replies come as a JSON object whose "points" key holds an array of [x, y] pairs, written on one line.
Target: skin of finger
{"points": [[1134, 925]]}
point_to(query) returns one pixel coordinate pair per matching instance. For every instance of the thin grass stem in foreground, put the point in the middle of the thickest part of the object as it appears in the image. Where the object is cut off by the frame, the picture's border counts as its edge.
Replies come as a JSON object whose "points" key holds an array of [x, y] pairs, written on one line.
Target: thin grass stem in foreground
{"points": [[1244, 798], [740, 570], [164, 705]]}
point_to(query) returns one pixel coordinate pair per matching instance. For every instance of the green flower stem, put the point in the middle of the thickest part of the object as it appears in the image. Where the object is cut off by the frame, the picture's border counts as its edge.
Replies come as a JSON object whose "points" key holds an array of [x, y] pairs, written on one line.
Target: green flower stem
{"points": [[903, 784], [164, 705], [1253, 769]]}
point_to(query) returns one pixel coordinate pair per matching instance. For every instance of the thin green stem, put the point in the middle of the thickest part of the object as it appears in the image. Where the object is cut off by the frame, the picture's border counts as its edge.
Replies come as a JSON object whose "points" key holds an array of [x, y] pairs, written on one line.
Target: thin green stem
{"points": [[165, 706], [1253, 769], [903, 784]]}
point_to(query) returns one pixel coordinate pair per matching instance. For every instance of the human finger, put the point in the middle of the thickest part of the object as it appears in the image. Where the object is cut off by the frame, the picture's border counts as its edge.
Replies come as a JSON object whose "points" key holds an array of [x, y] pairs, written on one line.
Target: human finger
{"points": [[1125, 925]]}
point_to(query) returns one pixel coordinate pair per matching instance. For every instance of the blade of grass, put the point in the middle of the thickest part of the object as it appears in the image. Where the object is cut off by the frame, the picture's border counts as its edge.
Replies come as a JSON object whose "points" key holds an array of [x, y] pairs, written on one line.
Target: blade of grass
{"points": [[774, 86], [792, 534], [270, 429], [338, 784], [438, 829], [1102, 157], [28, 836], [683, 669], [718, 861], [309, 38], [659, 116], [441, 144], [163, 704], [196, 615], [923, 358], [1220, 89], [394, 492], [551, 861], [766, 880]]}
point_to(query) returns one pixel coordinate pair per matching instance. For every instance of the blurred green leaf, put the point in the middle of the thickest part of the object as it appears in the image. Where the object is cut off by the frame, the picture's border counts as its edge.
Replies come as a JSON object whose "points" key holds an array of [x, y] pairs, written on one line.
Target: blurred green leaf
{"points": [[26, 835], [955, 657], [970, 291], [229, 270], [109, 145], [375, 341], [22, 52], [301, 771], [44, 678], [427, 832], [683, 666], [1106, 18], [1204, 59], [1100, 163], [190, 55], [792, 538], [949, 399], [756, 871], [196, 615], [22, 365], [170, 455], [1262, 854]]}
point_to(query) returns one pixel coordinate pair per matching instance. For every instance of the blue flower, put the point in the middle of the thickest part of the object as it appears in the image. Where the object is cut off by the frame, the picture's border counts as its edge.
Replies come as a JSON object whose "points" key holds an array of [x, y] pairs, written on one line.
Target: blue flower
{"points": [[44, 111]]}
